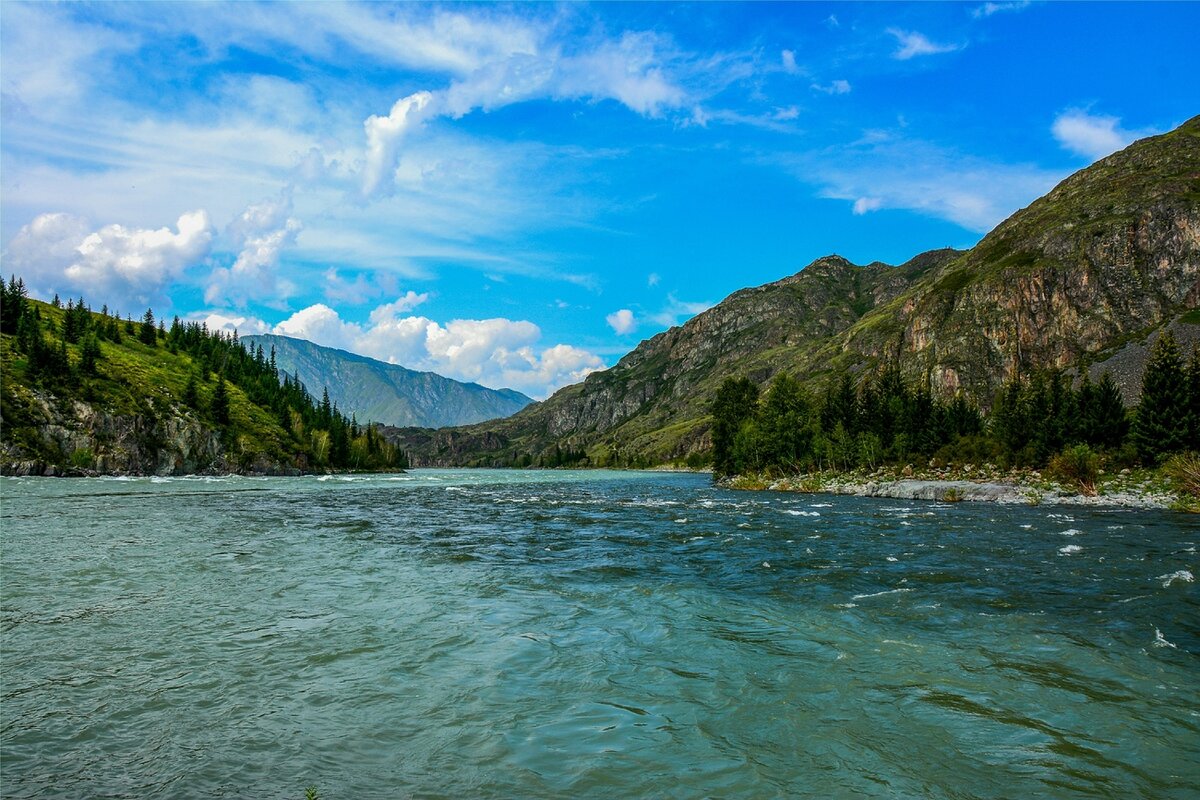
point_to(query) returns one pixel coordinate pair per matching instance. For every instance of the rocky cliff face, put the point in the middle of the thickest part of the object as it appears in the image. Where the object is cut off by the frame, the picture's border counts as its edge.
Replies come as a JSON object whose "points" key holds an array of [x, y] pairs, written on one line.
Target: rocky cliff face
{"points": [[76, 438], [1111, 254]]}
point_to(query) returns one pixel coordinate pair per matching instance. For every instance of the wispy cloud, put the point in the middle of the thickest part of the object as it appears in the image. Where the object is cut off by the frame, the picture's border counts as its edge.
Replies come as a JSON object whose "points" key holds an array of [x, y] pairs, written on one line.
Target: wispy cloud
{"points": [[913, 44], [676, 311], [834, 87], [1092, 135], [788, 59], [988, 9], [889, 171]]}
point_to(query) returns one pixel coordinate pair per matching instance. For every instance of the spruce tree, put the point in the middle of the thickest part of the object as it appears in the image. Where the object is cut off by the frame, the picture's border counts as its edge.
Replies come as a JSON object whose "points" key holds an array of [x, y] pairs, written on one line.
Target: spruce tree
{"points": [[12, 305], [1162, 425], [149, 334], [1107, 417], [220, 402], [191, 393], [735, 403], [89, 355]]}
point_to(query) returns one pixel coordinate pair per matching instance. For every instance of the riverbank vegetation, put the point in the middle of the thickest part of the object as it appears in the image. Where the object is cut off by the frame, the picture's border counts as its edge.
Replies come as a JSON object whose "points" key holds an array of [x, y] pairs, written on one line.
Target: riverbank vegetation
{"points": [[52, 356], [1041, 423]]}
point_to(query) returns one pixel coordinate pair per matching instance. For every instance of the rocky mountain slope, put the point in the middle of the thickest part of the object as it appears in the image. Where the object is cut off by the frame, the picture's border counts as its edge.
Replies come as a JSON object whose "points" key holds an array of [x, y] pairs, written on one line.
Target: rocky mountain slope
{"points": [[1108, 257], [387, 393]]}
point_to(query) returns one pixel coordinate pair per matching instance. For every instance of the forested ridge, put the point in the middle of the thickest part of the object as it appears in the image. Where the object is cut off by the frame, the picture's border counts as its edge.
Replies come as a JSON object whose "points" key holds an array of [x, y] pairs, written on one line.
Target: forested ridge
{"points": [[159, 377], [1036, 421]]}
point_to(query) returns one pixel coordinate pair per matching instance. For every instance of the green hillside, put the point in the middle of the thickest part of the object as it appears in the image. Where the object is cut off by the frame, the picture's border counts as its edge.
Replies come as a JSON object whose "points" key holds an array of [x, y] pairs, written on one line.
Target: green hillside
{"points": [[86, 391]]}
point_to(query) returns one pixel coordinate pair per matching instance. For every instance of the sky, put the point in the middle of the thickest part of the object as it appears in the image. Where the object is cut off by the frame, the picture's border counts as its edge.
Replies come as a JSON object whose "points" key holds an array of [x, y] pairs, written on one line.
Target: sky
{"points": [[517, 195]]}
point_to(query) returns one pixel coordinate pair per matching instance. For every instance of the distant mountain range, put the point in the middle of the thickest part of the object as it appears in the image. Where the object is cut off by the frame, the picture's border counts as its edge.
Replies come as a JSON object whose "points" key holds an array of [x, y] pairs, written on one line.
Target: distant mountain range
{"points": [[1083, 278], [375, 391]]}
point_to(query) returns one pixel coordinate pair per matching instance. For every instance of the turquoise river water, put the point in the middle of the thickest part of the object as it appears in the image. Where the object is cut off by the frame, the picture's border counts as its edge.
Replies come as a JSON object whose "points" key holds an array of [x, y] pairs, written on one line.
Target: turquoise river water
{"points": [[504, 634]]}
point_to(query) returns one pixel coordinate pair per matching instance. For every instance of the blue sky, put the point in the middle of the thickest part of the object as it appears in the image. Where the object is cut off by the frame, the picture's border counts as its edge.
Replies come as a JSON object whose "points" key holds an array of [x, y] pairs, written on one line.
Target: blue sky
{"points": [[519, 194]]}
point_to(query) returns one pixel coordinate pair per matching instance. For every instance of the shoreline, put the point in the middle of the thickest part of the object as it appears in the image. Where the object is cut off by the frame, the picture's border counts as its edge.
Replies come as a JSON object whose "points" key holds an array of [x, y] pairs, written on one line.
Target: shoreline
{"points": [[1140, 491]]}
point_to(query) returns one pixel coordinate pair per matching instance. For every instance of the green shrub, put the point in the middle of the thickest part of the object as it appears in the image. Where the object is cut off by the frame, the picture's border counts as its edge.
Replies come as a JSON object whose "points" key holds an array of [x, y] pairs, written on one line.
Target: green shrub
{"points": [[82, 458], [1079, 466], [1184, 471]]}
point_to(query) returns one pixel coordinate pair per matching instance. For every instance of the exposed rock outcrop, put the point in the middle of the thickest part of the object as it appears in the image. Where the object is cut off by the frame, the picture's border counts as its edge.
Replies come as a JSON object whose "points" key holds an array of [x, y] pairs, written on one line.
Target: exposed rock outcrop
{"points": [[76, 438]]}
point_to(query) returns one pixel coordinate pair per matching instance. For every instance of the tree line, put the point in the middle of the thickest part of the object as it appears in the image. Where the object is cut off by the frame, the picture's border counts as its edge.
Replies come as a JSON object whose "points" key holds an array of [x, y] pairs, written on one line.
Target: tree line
{"points": [[886, 419], [66, 357]]}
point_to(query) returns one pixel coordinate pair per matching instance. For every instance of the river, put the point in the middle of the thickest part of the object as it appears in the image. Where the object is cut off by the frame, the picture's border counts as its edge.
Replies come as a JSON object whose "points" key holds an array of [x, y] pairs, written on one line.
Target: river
{"points": [[543, 634]]}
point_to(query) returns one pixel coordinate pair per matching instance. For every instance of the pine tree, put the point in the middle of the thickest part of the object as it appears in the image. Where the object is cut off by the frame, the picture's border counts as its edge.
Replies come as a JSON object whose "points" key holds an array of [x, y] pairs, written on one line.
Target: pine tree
{"points": [[89, 355], [191, 393], [326, 418], [1163, 422], [149, 334], [1009, 420], [840, 405], [220, 402], [734, 404], [1107, 418], [12, 305]]}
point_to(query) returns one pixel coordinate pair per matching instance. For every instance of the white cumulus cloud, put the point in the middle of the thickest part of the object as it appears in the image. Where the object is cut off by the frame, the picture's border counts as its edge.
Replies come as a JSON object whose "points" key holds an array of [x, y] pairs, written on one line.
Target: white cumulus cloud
{"points": [[115, 264], [1092, 136], [621, 321], [229, 323], [260, 233], [383, 138], [493, 352]]}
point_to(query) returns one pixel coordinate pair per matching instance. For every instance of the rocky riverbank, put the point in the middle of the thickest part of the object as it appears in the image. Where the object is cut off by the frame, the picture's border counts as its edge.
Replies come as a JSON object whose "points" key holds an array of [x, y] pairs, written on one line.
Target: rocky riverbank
{"points": [[1127, 488]]}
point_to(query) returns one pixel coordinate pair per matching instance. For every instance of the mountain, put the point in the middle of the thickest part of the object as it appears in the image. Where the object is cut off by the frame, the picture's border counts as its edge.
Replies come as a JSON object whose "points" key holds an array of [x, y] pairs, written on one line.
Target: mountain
{"points": [[1107, 258], [388, 393]]}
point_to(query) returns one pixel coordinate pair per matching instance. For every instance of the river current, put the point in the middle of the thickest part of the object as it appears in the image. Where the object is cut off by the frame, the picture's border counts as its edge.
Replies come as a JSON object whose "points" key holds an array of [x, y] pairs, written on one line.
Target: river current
{"points": [[526, 634]]}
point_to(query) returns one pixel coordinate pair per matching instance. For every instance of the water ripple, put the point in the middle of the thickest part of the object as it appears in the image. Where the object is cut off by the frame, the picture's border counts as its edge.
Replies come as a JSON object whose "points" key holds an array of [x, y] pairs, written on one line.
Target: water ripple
{"points": [[546, 634]]}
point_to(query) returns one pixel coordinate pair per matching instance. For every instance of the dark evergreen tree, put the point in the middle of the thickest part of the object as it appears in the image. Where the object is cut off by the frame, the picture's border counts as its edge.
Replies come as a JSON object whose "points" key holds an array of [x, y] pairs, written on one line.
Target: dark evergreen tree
{"points": [[89, 355], [1163, 421], [1106, 417], [149, 334], [840, 405], [326, 410], [783, 423], [191, 393], [220, 402], [1009, 420], [12, 305], [735, 404]]}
